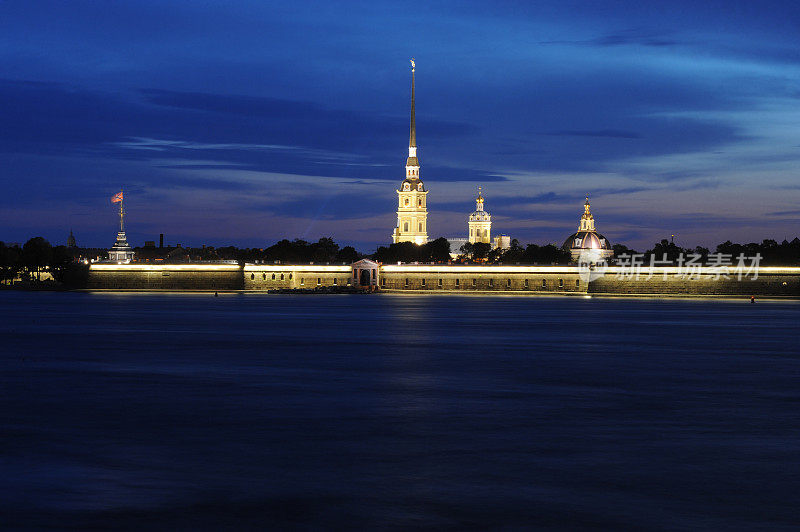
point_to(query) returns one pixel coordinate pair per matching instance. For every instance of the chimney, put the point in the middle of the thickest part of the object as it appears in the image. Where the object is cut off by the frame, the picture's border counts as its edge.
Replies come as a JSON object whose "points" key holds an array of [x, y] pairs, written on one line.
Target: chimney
{"points": [[161, 240]]}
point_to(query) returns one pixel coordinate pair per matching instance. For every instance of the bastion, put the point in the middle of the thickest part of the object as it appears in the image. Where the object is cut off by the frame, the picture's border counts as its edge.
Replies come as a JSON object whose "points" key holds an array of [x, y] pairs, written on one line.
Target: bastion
{"points": [[430, 278]]}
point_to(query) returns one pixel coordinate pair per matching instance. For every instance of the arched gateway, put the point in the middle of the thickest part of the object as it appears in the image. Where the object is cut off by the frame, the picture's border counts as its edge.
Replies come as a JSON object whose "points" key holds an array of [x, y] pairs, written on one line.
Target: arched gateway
{"points": [[365, 274]]}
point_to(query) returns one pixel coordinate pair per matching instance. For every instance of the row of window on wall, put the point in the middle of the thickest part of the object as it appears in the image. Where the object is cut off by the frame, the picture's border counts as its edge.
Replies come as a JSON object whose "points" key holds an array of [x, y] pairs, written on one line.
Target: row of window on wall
{"points": [[319, 281], [526, 282], [264, 277], [283, 277], [408, 202], [405, 227]]}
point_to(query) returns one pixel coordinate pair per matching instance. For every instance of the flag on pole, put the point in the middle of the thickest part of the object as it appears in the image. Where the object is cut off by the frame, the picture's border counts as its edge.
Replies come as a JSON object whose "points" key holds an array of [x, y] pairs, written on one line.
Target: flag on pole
{"points": [[117, 197]]}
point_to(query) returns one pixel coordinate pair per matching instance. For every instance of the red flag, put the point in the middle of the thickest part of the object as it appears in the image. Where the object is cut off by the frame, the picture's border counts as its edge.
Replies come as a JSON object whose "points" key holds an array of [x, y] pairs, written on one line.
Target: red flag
{"points": [[117, 198]]}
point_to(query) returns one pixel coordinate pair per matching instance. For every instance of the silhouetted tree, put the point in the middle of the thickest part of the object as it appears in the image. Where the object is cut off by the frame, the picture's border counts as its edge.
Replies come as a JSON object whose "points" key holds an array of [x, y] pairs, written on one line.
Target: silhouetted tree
{"points": [[37, 254], [703, 252], [399, 252], [437, 250], [324, 250], [347, 254], [621, 249], [480, 250], [10, 261], [545, 254], [665, 250], [512, 255], [62, 257]]}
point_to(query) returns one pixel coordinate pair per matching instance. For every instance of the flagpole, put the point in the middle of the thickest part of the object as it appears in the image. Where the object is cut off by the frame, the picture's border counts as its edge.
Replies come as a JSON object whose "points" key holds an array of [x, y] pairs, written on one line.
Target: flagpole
{"points": [[121, 210]]}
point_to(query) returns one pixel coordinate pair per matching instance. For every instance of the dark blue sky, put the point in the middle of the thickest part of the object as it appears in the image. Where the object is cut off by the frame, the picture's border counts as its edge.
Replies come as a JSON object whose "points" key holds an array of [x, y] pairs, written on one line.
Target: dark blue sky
{"points": [[248, 122]]}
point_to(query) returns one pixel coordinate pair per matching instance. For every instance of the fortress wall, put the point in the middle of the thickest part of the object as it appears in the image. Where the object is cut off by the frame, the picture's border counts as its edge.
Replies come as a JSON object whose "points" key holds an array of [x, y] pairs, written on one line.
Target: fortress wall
{"points": [[787, 284], [165, 277], [555, 279], [269, 277], [771, 281]]}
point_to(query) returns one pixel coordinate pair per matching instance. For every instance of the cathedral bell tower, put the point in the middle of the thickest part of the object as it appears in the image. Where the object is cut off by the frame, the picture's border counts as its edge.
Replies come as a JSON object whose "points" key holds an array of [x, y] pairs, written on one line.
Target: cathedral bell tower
{"points": [[587, 220], [480, 223], [412, 210]]}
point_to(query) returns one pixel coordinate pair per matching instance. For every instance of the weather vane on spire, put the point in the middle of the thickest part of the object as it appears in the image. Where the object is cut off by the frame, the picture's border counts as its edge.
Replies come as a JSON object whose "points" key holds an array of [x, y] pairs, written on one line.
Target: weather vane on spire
{"points": [[413, 65]]}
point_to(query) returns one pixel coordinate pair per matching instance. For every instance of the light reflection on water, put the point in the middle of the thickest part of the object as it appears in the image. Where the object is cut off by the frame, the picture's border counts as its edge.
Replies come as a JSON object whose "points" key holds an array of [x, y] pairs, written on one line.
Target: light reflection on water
{"points": [[188, 411]]}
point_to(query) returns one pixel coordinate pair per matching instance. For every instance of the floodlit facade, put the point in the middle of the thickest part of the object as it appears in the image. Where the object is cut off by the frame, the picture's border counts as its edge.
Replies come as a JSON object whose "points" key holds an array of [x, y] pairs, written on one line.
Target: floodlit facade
{"points": [[587, 245], [480, 223], [412, 209], [502, 242]]}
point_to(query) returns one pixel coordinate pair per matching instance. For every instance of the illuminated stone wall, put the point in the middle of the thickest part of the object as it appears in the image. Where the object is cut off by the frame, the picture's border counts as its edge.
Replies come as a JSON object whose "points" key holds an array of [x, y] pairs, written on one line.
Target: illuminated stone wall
{"points": [[165, 277], [430, 278], [786, 284], [269, 277], [482, 278]]}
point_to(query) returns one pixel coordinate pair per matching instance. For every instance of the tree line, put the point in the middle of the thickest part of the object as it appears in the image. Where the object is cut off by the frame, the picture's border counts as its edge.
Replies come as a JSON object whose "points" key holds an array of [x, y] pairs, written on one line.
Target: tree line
{"points": [[786, 253], [33, 258], [37, 255]]}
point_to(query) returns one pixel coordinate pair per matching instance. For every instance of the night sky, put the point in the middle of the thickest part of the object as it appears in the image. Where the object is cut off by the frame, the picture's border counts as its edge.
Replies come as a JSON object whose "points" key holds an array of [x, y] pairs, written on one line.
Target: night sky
{"points": [[244, 123]]}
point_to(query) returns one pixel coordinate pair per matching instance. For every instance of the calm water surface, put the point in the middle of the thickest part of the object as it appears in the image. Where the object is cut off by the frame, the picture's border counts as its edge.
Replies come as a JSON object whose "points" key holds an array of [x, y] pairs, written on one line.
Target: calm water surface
{"points": [[246, 411]]}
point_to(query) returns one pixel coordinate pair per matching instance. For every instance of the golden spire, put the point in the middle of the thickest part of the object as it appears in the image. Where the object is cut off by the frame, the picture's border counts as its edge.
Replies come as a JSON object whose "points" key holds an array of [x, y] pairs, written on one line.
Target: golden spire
{"points": [[587, 220], [412, 140], [479, 200]]}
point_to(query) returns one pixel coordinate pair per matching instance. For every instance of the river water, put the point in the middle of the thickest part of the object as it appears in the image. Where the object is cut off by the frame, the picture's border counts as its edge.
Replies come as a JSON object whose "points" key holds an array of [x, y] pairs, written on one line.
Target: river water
{"points": [[252, 411]]}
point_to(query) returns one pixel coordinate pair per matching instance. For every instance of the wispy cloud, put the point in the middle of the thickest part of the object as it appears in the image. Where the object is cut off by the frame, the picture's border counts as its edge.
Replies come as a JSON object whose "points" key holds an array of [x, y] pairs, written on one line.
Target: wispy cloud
{"points": [[164, 145], [626, 37], [609, 133]]}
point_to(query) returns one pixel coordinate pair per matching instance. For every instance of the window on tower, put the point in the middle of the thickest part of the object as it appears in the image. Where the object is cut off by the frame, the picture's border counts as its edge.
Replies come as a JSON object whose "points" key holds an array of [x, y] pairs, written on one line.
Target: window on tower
{"points": [[405, 227], [407, 202], [420, 227], [419, 187]]}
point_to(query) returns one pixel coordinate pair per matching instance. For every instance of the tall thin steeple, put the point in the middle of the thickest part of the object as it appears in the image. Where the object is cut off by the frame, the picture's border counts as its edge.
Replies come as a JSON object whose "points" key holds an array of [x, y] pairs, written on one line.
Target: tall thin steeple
{"points": [[412, 160], [412, 212], [412, 140]]}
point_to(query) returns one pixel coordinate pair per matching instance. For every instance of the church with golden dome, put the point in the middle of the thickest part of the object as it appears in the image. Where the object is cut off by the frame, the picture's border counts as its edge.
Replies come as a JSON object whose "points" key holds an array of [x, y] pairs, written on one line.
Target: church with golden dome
{"points": [[587, 245], [480, 223]]}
